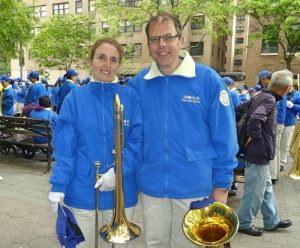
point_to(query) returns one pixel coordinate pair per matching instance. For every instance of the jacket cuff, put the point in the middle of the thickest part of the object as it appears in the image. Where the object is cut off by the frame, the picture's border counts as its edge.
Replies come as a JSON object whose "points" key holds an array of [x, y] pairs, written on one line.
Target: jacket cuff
{"points": [[59, 188]]}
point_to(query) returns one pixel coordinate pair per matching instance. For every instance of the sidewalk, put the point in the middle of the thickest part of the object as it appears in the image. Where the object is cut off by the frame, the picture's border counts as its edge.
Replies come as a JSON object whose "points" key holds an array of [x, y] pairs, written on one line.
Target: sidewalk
{"points": [[26, 219]]}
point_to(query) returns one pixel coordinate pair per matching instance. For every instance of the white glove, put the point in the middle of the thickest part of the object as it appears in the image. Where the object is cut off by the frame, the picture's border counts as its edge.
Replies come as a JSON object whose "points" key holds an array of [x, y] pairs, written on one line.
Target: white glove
{"points": [[107, 181], [289, 104], [55, 198]]}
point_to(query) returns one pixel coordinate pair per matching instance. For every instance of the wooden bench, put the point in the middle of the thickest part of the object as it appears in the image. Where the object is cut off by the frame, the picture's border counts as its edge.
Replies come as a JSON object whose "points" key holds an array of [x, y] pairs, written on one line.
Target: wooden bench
{"points": [[16, 133]]}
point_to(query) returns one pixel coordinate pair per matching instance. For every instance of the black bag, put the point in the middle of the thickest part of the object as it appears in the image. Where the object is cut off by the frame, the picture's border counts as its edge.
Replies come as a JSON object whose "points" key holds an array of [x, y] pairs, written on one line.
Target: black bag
{"points": [[242, 135]]}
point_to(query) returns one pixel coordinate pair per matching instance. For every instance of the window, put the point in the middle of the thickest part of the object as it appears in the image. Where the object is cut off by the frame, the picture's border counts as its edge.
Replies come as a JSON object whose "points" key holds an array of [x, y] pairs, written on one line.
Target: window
{"points": [[240, 29], [238, 62], [127, 27], [78, 6], [60, 8], [40, 11], [197, 22], [137, 28], [269, 40], [105, 26], [196, 48], [238, 51], [130, 3], [240, 18], [37, 30], [91, 5], [293, 36], [239, 40], [137, 49]]}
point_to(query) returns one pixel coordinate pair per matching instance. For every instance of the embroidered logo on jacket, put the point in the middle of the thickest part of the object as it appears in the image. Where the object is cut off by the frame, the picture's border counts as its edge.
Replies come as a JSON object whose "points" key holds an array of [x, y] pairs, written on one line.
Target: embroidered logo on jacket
{"points": [[224, 98], [191, 99], [126, 123]]}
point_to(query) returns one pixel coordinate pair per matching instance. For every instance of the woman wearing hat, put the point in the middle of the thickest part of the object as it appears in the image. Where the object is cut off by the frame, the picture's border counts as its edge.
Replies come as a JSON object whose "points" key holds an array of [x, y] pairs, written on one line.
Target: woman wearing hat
{"points": [[84, 134]]}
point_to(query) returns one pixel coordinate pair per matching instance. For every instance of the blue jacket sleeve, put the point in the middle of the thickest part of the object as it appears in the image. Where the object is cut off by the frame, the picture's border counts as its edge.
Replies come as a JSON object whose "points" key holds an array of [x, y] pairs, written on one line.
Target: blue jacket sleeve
{"points": [[65, 143], [132, 152], [223, 132]]}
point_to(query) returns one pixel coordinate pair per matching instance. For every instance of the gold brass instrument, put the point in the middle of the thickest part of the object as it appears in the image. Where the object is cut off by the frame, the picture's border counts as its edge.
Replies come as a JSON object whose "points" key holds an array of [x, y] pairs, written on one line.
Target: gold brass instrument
{"points": [[212, 226], [97, 165], [119, 231], [295, 152]]}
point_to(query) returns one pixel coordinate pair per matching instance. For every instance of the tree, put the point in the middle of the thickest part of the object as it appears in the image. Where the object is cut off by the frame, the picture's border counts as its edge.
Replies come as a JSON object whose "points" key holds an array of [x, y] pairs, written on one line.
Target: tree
{"points": [[138, 12], [16, 25], [278, 23], [63, 41]]}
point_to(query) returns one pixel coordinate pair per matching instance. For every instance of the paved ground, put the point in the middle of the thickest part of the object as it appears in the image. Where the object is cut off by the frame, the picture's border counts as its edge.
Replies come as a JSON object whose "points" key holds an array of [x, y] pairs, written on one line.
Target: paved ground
{"points": [[27, 221]]}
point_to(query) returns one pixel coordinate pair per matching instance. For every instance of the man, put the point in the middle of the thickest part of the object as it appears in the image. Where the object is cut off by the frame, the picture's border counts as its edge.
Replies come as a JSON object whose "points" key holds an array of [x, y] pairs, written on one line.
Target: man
{"points": [[68, 84], [243, 94], [258, 151], [36, 89], [292, 105], [264, 78], [21, 94], [189, 134], [8, 101], [232, 91]]}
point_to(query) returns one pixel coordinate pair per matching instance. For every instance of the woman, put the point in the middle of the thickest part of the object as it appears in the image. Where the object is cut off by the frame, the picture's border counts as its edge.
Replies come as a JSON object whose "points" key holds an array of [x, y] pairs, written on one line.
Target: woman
{"points": [[84, 134]]}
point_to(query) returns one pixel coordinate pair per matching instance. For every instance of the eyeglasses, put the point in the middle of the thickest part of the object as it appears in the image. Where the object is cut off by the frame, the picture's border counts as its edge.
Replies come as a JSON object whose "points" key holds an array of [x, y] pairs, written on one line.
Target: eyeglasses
{"points": [[168, 38]]}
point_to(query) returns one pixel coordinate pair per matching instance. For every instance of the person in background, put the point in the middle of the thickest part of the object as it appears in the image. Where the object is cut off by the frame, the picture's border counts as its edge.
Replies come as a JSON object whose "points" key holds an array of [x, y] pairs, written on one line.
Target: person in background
{"points": [[259, 151], [274, 165], [189, 134], [1, 91], [257, 88], [251, 92], [243, 94], [8, 100], [264, 78], [232, 91], [292, 112], [43, 111], [36, 89], [48, 89], [54, 93], [84, 134], [68, 84], [21, 94]]}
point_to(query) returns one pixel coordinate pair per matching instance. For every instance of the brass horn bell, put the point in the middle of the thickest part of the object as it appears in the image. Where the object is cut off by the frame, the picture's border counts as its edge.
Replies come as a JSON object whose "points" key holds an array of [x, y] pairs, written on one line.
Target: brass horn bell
{"points": [[211, 226]]}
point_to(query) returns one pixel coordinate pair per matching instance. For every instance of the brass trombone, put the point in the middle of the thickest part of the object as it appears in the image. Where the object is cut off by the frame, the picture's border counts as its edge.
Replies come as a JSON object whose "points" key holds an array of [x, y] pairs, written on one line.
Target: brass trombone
{"points": [[97, 177], [295, 152], [211, 226], [119, 231]]}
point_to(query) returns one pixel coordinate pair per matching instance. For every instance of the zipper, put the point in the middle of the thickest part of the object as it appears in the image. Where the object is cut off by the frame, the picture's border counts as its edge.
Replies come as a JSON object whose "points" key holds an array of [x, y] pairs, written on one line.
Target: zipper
{"points": [[166, 135], [102, 202]]}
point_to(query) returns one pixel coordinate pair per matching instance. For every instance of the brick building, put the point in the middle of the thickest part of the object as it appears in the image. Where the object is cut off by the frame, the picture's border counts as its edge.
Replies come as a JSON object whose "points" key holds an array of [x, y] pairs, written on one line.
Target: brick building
{"points": [[205, 52]]}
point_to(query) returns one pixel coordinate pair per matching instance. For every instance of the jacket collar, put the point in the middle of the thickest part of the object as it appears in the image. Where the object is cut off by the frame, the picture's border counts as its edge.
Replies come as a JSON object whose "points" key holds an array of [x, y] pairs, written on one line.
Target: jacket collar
{"points": [[185, 69], [277, 97]]}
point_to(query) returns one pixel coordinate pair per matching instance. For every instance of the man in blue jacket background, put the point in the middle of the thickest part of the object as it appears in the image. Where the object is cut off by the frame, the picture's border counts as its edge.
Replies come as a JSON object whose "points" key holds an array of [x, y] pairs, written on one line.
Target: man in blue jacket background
{"points": [[292, 104], [68, 84], [189, 134], [36, 89], [232, 91]]}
